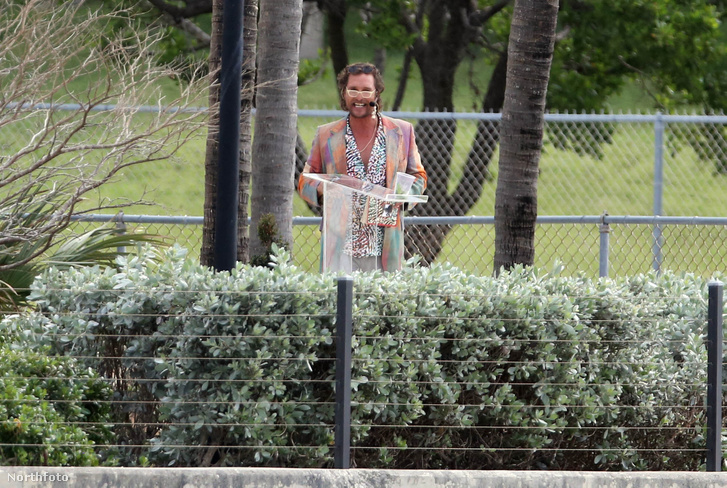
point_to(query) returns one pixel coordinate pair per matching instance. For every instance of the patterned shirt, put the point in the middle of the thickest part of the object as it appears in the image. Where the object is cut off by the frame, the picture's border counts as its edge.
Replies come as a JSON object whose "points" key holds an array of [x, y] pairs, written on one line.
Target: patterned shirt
{"points": [[365, 239]]}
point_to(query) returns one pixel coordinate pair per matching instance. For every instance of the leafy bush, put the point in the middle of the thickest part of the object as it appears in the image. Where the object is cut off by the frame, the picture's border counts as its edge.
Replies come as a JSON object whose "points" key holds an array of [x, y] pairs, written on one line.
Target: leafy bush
{"points": [[586, 368], [450, 370], [161, 326], [52, 412]]}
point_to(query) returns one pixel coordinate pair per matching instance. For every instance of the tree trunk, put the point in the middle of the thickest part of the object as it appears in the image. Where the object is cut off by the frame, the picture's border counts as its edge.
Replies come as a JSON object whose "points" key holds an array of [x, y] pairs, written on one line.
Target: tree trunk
{"points": [[403, 78], [249, 55], [438, 58], [530, 53], [335, 12], [211, 152], [428, 240], [380, 60], [477, 169], [273, 150]]}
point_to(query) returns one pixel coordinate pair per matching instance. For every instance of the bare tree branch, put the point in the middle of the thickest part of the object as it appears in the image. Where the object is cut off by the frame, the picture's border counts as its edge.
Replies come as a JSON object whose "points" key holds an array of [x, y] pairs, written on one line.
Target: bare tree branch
{"points": [[190, 28], [191, 8], [480, 17], [73, 90]]}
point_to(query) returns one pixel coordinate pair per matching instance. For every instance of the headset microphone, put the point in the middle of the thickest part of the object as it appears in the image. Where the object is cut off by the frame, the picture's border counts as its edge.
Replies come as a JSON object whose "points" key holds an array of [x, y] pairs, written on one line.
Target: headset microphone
{"points": [[372, 104]]}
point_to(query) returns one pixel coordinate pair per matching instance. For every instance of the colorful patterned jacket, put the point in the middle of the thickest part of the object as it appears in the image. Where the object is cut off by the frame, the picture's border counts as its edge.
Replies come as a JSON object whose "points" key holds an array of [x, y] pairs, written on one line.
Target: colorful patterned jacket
{"points": [[328, 155]]}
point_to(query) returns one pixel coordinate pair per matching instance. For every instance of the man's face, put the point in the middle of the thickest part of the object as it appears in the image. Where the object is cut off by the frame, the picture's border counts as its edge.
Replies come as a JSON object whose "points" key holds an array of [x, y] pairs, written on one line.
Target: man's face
{"points": [[356, 102]]}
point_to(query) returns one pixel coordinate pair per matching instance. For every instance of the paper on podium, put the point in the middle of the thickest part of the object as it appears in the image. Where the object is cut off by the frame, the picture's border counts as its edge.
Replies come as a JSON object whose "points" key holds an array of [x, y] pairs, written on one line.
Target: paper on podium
{"points": [[347, 201]]}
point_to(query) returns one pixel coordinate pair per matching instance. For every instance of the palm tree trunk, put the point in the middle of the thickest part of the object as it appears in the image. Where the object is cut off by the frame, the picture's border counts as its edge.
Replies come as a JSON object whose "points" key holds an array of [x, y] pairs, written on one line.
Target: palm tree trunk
{"points": [[335, 11], [249, 54], [530, 53], [211, 152], [273, 150]]}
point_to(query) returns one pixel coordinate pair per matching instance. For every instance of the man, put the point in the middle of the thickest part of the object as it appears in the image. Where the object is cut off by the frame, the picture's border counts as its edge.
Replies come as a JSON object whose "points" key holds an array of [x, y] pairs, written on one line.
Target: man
{"points": [[373, 148]]}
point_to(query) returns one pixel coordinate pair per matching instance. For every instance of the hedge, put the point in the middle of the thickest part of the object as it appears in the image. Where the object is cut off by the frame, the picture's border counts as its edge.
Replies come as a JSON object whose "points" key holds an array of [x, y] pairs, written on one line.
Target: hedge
{"points": [[528, 370]]}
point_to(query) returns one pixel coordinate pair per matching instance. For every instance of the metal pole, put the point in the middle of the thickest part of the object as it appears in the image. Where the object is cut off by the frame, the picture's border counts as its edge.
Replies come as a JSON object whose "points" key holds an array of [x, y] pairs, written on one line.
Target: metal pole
{"points": [[120, 230], [658, 188], [225, 250], [344, 327], [605, 230], [714, 376]]}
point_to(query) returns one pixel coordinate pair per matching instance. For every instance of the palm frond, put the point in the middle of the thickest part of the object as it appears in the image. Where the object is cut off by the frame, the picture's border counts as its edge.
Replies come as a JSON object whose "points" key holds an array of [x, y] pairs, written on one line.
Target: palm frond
{"points": [[97, 246], [10, 298]]}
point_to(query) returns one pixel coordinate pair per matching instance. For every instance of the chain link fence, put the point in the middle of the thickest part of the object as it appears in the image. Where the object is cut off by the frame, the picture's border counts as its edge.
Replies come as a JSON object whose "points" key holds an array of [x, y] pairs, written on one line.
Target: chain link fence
{"points": [[591, 165], [571, 245]]}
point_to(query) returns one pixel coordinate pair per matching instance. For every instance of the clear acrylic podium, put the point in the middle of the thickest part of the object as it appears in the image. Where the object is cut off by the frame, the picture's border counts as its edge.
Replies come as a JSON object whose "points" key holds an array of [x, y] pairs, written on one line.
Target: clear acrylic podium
{"points": [[346, 198]]}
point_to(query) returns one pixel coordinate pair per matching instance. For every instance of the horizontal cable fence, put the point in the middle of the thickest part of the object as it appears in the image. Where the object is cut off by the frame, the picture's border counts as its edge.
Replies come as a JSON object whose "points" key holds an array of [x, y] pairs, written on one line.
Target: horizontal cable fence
{"points": [[373, 379], [593, 245]]}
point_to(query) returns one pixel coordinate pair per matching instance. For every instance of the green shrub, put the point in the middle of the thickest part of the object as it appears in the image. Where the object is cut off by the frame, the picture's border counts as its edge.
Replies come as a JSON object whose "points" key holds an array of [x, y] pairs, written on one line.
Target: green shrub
{"points": [[52, 411], [450, 370]]}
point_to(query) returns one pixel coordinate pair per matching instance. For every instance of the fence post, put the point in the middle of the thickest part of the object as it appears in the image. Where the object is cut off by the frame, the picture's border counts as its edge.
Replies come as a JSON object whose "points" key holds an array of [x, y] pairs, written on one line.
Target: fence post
{"points": [[714, 376], [658, 189], [120, 230], [344, 326], [604, 230], [224, 256]]}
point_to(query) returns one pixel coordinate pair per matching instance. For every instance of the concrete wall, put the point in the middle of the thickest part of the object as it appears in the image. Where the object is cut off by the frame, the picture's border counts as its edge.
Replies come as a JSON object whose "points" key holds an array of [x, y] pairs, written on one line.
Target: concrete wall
{"points": [[353, 478], [311, 39]]}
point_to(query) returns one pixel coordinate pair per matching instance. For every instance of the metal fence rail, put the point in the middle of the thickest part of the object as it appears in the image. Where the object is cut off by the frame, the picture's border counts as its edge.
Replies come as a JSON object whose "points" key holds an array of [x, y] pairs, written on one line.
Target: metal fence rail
{"points": [[593, 245]]}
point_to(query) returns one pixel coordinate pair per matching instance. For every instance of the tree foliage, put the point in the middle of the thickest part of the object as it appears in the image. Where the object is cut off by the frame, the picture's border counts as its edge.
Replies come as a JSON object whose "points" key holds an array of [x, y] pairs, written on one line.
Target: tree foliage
{"points": [[673, 49]]}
